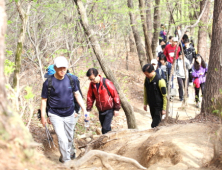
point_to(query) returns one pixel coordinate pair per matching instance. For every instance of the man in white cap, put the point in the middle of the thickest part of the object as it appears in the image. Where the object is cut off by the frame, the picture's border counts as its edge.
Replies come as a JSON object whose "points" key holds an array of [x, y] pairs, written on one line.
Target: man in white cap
{"points": [[170, 50], [58, 94]]}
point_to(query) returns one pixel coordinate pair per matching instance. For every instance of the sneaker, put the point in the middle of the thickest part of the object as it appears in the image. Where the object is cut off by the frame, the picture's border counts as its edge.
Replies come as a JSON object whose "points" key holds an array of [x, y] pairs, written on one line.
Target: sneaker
{"points": [[181, 99], [197, 105], [73, 156], [60, 159]]}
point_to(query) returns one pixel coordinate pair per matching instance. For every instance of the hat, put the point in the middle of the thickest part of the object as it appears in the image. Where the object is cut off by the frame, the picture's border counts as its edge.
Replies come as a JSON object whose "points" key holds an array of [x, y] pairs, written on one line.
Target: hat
{"points": [[175, 39], [154, 61], [61, 62], [50, 71]]}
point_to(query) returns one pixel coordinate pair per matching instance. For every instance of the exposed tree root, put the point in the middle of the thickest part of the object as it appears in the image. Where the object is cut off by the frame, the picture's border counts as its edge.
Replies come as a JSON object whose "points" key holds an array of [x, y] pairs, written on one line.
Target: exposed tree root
{"points": [[104, 157]]}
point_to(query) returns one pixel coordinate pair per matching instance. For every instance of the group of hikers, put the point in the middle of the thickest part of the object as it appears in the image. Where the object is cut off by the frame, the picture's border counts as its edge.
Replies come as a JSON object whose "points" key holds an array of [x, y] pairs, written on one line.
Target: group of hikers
{"points": [[62, 98], [158, 73]]}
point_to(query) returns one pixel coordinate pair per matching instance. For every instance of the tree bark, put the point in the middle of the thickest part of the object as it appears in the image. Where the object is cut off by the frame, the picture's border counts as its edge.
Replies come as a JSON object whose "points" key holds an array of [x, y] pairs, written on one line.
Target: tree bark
{"points": [[148, 4], [131, 121], [24, 17], [145, 31], [156, 26], [140, 49], [203, 31], [213, 85], [132, 43], [3, 25]]}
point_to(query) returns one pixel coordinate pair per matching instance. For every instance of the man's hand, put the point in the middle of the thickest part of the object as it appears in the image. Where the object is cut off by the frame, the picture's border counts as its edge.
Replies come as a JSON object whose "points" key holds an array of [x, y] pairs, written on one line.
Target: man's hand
{"points": [[163, 112], [116, 113], [76, 115], [145, 107], [43, 121], [48, 120], [86, 113]]}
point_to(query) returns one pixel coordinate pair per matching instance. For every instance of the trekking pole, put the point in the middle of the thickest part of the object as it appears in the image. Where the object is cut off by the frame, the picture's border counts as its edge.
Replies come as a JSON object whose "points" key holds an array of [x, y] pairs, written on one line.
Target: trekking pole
{"points": [[47, 135]]}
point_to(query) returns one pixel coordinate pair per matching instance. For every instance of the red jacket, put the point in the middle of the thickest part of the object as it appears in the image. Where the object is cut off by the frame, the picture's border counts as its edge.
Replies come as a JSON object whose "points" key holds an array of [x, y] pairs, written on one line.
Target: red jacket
{"points": [[103, 100], [169, 52]]}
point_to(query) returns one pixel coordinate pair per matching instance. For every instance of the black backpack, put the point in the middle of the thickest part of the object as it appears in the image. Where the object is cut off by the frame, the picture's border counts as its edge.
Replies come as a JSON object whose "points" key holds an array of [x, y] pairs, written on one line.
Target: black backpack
{"points": [[77, 106]]}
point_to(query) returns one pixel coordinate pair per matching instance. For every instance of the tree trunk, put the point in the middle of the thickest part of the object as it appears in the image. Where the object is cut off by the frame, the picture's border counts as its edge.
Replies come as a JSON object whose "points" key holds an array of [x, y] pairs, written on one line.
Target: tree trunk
{"points": [[203, 31], [132, 43], [145, 31], [149, 18], [3, 25], [140, 49], [156, 26], [213, 86], [131, 121], [24, 17]]}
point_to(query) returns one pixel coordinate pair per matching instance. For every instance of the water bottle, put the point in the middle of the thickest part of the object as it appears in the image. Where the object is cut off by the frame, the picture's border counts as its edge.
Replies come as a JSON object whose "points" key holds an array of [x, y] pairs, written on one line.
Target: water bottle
{"points": [[86, 122]]}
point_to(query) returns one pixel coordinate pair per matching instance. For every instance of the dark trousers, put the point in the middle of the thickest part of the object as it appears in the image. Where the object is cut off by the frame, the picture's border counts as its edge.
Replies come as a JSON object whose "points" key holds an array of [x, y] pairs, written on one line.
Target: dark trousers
{"points": [[181, 84], [105, 119], [197, 90], [156, 114], [190, 79]]}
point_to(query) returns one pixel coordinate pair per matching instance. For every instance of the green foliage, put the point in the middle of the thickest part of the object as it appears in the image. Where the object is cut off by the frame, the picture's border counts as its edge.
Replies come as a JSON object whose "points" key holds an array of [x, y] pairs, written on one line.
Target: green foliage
{"points": [[29, 94], [9, 67]]}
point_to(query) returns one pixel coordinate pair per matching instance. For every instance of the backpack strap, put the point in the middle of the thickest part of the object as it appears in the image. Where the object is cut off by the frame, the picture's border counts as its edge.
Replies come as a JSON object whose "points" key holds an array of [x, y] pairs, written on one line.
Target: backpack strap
{"points": [[104, 84], [71, 81], [48, 94]]}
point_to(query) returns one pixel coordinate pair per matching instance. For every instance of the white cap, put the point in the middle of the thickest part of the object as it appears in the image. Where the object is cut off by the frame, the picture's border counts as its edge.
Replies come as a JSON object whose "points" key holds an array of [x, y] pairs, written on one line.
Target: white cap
{"points": [[61, 62], [154, 61], [175, 39]]}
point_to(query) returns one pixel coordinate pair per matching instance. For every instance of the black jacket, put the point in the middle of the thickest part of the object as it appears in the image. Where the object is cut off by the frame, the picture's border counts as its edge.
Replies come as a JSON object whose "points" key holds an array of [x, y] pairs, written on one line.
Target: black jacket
{"points": [[154, 94]]}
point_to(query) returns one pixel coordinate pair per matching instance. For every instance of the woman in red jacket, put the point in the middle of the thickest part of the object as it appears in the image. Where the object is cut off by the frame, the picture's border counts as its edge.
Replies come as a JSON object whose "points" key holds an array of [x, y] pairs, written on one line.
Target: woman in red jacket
{"points": [[107, 99]]}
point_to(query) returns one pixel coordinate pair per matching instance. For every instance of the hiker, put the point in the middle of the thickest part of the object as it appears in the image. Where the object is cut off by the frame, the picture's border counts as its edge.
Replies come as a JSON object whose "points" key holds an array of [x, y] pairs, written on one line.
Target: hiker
{"points": [[190, 54], [59, 100], [170, 50], [154, 94], [107, 99], [163, 33], [158, 70], [179, 71], [199, 71], [165, 66], [169, 53], [158, 48], [178, 32], [170, 40]]}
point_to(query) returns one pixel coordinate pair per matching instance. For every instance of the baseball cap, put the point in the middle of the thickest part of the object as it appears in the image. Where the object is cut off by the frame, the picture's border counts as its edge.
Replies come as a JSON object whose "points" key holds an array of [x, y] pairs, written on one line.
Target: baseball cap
{"points": [[175, 39], [154, 61], [50, 71], [61, 62]]}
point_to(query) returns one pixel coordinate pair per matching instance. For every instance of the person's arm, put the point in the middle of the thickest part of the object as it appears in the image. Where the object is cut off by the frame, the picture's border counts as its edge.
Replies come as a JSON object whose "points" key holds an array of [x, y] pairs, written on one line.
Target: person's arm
{"points": [[162, 86], [195, 73], [90, 98], [145, 98], [44, 96], [80, 102], [187, 62], [115, 96], [43, 111]]}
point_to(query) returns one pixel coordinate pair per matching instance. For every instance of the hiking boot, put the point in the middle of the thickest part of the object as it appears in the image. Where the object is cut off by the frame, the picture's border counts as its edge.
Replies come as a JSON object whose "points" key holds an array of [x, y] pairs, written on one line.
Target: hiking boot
{"points": [[60, 159], [73, 156]]}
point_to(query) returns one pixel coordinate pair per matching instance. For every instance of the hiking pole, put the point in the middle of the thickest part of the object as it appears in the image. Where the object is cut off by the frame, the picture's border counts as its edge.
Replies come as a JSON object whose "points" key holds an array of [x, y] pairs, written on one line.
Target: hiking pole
{"points": [[49, 137]]}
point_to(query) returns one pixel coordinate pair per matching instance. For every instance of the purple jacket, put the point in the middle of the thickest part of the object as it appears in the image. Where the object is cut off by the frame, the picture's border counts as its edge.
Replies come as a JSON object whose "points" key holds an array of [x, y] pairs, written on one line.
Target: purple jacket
{"points": [[196, 74]]}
